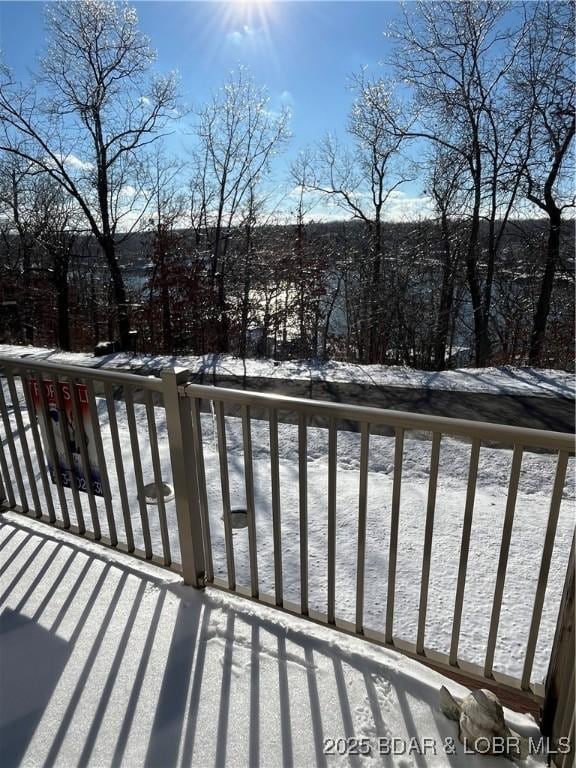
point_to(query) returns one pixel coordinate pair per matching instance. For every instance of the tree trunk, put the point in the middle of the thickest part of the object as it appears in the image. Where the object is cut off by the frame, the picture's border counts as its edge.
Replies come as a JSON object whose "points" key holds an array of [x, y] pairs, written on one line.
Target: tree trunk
{"points": [[166, 317], [446, 301], [443, 327], [63, 317], [375, 298], [329, 318], [24, 253], [545, 297], [60, 261], [29, 313], [481, 343], [119, 291], [223, 323], [245, 298], [94, 308]]}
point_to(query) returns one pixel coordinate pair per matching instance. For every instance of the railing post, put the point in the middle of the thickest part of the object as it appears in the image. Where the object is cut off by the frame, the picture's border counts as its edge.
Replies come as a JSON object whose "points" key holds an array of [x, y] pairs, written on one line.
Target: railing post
{"points": [[183, 458], [558, 710]]}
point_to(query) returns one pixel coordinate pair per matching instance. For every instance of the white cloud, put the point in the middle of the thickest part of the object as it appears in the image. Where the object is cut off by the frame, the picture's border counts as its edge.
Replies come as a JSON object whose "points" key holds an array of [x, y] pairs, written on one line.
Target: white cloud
{"points": [[128, 191], [296, 191], [398, 207], [401, 207], [75, 162]]}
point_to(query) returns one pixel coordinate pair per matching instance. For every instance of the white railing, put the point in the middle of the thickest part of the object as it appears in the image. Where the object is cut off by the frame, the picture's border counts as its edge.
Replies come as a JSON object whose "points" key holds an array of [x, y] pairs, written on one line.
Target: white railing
{"points": [[127, 427], [36, 455]]}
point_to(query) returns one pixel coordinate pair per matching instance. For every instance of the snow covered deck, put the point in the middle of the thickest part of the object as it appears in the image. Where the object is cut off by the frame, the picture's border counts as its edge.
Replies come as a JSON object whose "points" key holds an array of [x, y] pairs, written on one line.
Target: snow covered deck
{"points": [[109, 661]]}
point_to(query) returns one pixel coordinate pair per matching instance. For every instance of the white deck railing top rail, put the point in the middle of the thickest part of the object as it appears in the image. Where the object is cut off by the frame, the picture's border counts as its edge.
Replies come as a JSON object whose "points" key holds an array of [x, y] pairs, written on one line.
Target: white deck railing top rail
{"points": [[92, 435], [497, 433]]}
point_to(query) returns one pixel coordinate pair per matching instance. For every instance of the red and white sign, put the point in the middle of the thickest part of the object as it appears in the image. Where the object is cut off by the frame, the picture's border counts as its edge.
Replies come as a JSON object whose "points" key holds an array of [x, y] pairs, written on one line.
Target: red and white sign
{"points": [[74, 431]]}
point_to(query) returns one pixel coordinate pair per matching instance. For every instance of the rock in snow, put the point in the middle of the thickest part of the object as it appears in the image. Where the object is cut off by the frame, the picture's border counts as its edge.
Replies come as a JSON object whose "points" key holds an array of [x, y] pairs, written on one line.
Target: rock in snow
{"points": [[482, 726]]}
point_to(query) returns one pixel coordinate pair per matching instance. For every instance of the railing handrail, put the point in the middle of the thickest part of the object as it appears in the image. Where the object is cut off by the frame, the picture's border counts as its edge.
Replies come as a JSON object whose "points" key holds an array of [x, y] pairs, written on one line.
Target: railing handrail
{"points": [[482, 430], [84, 371]]}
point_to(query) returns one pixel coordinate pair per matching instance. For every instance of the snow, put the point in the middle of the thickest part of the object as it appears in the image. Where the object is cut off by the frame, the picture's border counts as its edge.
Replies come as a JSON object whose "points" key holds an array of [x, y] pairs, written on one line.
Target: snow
{"points": [[109, 661], [504, 380], [527, 536]]}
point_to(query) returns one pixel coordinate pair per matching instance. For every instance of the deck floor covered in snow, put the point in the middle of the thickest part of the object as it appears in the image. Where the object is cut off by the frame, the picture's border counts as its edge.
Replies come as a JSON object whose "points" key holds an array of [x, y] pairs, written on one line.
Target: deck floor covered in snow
{"points": [[108, 661]]}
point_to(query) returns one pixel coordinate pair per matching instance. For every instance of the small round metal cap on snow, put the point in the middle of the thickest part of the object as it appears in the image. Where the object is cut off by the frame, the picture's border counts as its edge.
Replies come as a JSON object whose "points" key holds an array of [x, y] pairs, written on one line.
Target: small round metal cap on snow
{"points": [[151, 492]]}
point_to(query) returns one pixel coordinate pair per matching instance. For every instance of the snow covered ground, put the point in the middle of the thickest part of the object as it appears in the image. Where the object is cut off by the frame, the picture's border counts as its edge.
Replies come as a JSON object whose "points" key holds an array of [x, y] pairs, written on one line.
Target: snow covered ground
{"points": [[527, 537], [109, 661], [504, 380]]}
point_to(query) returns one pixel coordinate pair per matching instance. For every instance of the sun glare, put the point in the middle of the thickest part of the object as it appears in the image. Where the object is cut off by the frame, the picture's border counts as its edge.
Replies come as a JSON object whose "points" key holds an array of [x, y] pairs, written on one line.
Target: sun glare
{"points": [[243, 28]]}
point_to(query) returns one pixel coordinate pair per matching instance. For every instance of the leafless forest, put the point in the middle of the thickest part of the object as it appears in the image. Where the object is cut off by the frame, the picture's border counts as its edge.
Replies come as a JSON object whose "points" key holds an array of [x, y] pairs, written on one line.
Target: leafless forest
{"points": [[107, 233]]}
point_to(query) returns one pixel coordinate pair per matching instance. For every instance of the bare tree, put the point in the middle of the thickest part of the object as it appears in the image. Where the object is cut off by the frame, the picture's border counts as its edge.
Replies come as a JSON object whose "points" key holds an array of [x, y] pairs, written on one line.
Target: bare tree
{"points": [[62, 224], [360, 181], [544, 86], [443, 187], [88, 118], [251, 219], [167, 212], [238, 137], [302, 177], [20, 229], [45, 223], [457, 56], [203, 195]]}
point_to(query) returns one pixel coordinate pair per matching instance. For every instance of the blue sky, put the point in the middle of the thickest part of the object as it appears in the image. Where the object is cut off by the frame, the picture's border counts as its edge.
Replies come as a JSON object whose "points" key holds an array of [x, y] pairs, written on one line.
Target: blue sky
{"points": [[302, 51]]}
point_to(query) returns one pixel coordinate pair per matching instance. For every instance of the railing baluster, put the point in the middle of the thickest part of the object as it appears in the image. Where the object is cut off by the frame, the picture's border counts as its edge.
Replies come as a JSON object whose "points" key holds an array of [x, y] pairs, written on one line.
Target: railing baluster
{"points": [[102, 469], [117, 450], [157, 468], [332, 468], [276, 512], [394, 522], [428, 533], [80, 436], [503, 560], [3, 496], [203, 496], [303, 508], [225, 485], [555, 503], [12, 449], [362, 511], [250, 508], [464, 550], [24, 443], [69, 463], [33, 419], [54, 460], [7, 490], [135, 448]]}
